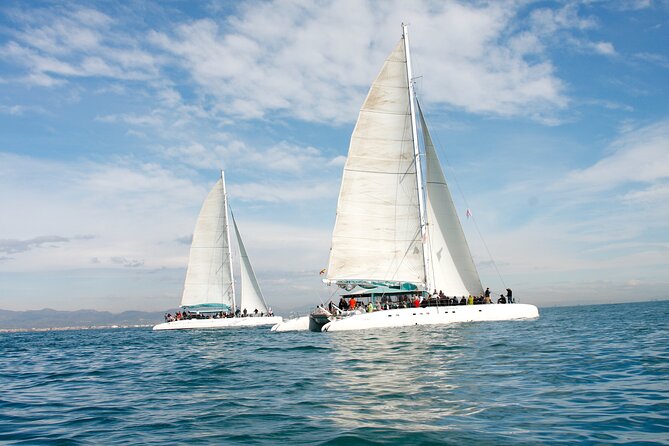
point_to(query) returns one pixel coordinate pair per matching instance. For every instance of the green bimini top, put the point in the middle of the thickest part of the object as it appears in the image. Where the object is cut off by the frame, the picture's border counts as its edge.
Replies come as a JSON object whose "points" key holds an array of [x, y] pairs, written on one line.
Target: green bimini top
{"points": [[208, 308]]}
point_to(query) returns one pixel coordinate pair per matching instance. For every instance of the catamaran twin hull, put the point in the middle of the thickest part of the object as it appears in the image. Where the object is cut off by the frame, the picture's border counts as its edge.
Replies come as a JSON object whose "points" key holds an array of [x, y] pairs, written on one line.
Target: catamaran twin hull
{"points": [[233, 322], [296, 324], [404, 317]]}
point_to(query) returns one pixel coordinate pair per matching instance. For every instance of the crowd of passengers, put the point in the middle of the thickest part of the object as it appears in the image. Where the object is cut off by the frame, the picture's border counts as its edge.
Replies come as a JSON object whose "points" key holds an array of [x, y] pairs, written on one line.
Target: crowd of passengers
{"points": [[436, 299], [184, 315]]}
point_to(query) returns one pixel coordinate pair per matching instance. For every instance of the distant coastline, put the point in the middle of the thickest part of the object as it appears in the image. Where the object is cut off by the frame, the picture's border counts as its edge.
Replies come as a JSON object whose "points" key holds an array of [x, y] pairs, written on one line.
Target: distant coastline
{"points": [[49, 320], [58, 320], [96, 327]]}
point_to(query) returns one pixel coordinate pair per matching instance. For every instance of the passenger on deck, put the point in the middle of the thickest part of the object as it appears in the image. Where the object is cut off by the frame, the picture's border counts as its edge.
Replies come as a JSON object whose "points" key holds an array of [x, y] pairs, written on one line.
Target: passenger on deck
{"points": [[502, 299], [470, 301], [238, 312], [370, 307], [463, 301], [416, 302], [343, 305], [270, 313], [245, 313], [255, 313], [487, 300], [352, 303], [509, 295], [487, 292]]}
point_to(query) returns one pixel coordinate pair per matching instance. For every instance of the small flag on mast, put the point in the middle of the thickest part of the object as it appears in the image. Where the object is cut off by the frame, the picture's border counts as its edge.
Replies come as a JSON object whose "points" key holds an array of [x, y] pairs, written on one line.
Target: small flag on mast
{"points": [[322, 272], [468, 213]]}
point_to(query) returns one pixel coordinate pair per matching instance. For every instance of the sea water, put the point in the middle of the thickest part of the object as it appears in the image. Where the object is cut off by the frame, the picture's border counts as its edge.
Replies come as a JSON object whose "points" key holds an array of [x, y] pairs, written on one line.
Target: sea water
{"points": [[587, 375]]}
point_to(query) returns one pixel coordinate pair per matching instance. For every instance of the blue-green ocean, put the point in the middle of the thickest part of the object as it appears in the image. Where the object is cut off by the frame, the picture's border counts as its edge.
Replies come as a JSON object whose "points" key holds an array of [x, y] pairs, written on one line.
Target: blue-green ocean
{"points": [[577, 375]]}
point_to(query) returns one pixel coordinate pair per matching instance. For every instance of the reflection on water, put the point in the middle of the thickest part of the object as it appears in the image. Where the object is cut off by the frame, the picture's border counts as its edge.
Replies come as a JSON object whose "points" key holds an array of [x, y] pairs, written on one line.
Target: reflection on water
{"points": [[576, 375], [389, 377]]}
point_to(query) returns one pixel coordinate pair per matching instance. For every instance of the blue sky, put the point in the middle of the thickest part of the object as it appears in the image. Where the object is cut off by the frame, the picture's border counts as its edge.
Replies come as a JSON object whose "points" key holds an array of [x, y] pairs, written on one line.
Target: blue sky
{"points": [[551, 118]]}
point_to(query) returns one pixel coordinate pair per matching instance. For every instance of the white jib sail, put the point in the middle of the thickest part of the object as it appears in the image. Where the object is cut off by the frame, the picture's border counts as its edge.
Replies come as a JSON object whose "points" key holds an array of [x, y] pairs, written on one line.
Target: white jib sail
{"points": [[251, 298], [453, 268], [377, 231], [209, 277]]}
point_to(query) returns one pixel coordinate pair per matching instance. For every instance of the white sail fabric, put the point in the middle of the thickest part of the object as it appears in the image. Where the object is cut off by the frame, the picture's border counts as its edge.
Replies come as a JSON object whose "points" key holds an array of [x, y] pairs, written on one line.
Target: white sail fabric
{"points": [[377, 231], [453, 268], [209, 280], [251, 298]]}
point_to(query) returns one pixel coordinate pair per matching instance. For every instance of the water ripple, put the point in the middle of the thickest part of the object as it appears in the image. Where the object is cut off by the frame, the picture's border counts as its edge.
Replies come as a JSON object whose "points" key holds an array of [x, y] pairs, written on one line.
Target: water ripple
{"points": [[593, 375]]}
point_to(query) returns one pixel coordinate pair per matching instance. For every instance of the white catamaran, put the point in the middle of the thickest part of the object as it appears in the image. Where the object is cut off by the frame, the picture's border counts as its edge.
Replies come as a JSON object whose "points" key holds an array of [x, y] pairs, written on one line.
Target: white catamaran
{"points": [[396, 226], [209, 289]]}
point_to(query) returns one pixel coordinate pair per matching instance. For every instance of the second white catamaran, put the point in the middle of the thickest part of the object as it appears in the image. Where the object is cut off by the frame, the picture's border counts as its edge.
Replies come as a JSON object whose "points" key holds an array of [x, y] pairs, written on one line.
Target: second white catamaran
{"points": [[208, 297], [396, 226]]}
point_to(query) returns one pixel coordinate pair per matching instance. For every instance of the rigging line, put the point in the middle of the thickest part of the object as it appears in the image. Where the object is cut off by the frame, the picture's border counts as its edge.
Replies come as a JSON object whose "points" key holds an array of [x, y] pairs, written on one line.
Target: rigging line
{"points": [[486, 248], [442, 152]]}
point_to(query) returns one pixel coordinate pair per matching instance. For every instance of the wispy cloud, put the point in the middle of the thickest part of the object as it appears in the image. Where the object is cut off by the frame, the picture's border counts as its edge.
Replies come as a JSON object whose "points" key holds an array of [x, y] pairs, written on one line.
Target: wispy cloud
{"points": [[282, 157], [131, 119], [127, 263], [639, 156], [21, 110], [61, 43], [654, 58], [285, 192], [13, 246]]}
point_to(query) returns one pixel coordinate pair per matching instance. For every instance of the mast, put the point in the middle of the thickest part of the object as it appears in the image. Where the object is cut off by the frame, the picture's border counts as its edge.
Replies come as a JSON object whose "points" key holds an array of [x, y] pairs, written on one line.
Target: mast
{"points": [[227, 234], [419, 167]]}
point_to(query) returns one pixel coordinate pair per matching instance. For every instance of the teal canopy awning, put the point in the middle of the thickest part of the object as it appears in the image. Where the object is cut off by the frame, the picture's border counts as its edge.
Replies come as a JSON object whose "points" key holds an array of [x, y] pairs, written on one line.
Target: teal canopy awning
{"points": [[380, 291], [208, 308]]}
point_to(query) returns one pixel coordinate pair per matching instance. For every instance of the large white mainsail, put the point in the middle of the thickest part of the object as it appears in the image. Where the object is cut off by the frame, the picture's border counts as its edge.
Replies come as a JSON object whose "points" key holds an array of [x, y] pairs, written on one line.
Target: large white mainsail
{"points": [[251, 298], [453, 268], [209, 281], [377, 233]]}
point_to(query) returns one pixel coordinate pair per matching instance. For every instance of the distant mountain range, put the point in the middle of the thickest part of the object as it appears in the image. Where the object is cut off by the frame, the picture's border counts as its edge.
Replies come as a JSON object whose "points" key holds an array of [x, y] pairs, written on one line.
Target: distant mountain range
{"points": [[48, 318]]}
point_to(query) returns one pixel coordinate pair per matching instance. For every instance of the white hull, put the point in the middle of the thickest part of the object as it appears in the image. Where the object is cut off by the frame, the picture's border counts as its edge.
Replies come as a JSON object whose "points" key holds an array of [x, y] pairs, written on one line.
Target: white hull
{"points": [[233, 322], [296, 324], [433, 315]]}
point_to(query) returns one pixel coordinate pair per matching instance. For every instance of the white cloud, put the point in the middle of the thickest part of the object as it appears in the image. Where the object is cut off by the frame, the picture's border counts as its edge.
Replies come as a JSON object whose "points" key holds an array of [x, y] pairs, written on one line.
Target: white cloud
{"points": [[319, 73], [137, 214], [12, 246], [551, 21], [75, 42], [639, 156], [658, 193], [654, 58], [282, 157], [130, 207], [132, 119], [285, 192], [21, 110], [127, 263], [477, 57], [556, 25], [605, 48], [590, 232]]}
